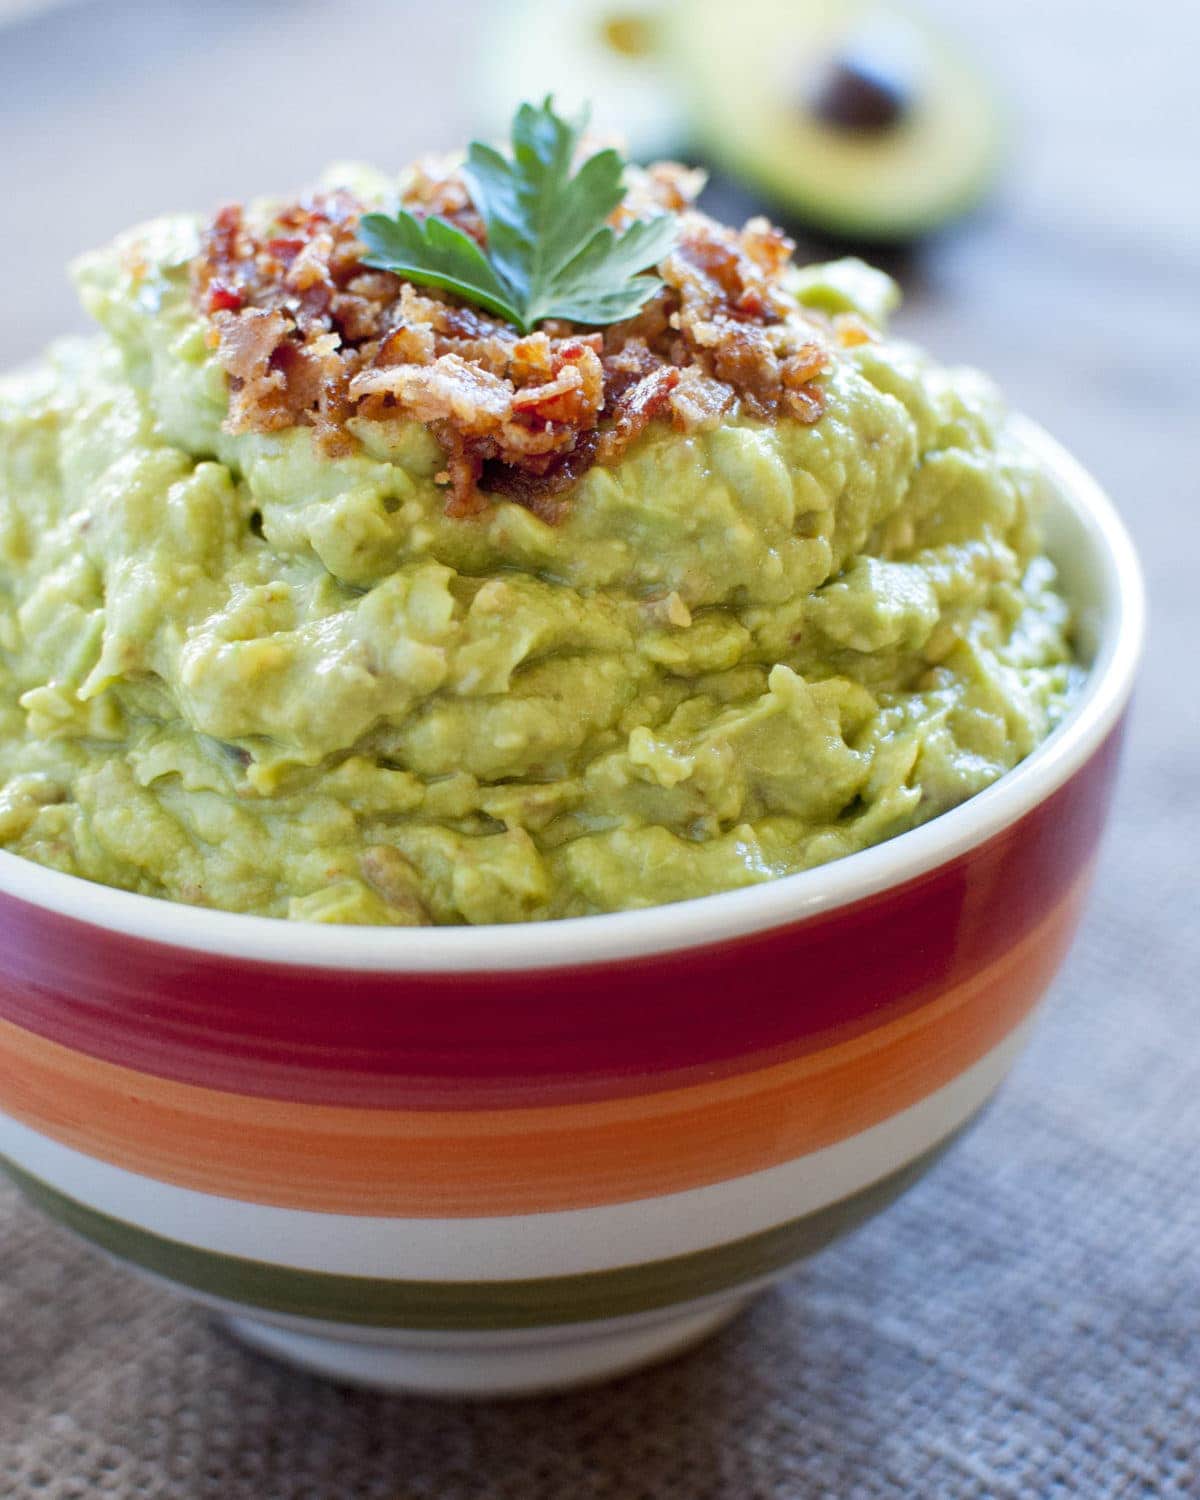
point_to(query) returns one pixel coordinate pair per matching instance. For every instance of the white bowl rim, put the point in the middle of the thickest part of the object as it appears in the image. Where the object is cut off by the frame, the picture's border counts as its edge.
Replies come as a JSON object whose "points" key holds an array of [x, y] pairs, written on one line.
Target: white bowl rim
{"points": [[576, 941]]}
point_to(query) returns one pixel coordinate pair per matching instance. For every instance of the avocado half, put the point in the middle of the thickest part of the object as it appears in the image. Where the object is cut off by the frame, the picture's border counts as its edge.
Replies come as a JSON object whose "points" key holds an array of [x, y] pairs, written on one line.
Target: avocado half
{"points": [[861, 119], [607, 57]]}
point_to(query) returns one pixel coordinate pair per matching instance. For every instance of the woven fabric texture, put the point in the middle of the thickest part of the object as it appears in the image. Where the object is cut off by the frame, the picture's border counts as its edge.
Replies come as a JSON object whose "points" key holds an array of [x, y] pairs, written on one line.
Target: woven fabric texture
{"points": [[1026, 1323]]}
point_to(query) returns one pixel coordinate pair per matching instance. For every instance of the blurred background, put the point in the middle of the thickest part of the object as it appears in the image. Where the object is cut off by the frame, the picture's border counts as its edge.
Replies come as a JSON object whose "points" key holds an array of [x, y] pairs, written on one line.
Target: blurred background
{"points": [[1048, 230]]}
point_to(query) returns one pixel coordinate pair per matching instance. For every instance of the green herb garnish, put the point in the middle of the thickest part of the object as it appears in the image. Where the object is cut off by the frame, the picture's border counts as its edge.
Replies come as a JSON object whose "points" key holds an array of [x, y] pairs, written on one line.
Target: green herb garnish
{"points": [[550, 252]]}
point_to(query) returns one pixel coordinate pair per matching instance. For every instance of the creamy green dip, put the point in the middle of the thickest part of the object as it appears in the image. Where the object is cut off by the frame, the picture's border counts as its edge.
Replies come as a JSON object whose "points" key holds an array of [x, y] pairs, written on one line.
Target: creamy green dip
{"points": [[239, 674]]}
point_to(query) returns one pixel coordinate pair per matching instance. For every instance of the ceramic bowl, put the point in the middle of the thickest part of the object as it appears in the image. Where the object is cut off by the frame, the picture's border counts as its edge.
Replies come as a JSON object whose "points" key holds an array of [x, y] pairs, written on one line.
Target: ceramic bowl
{"points": [[494, 1160]]}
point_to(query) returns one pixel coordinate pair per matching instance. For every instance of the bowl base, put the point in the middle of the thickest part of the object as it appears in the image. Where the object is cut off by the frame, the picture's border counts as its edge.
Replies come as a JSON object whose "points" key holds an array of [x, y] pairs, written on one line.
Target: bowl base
{"points": [[487, 1369]]}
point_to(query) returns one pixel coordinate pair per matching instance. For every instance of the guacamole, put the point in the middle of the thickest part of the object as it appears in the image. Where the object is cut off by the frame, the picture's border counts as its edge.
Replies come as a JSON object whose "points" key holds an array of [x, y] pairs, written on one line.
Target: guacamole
{"points": [[241, 670]]}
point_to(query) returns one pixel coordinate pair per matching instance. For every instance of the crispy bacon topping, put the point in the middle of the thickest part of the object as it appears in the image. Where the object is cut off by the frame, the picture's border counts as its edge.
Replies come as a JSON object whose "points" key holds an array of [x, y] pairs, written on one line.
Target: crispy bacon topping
{"points": [[308, 335]]}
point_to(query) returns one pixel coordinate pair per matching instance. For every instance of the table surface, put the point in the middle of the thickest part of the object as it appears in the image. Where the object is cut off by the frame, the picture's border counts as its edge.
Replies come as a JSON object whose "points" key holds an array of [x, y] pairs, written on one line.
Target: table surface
{"points": [[1027, 1322]]}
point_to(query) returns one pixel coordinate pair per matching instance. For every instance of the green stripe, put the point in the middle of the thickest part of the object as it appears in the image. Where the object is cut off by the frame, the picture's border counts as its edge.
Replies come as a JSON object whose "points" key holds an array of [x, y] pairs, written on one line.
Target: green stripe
{"points": [[475, 1305]]}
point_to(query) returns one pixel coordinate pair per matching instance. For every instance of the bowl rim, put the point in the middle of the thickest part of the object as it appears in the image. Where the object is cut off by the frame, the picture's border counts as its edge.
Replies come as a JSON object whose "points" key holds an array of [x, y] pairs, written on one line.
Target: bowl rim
{"points": [[701, 921]]}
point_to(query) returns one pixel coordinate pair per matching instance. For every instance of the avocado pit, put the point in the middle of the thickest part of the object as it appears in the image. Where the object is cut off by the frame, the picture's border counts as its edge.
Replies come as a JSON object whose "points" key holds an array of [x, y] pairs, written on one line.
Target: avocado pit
{"points": [[871, 83]]}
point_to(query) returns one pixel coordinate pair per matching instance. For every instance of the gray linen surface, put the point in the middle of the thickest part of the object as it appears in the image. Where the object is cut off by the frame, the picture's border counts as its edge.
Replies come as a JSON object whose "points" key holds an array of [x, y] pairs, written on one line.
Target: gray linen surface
{"points": [[1027, 1322]]}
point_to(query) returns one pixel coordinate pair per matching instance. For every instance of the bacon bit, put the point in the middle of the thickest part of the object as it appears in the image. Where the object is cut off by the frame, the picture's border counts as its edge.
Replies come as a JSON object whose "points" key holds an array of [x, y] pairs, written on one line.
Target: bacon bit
{"points": [[662, 185], [636, 409], [574, 395], [626, 363], [717, 259], [449, 390], [309, 335], [538, 399], [429, 189], [222, 298], [767, 246], [540, 492], [309, 369], [751, 307], [698, 402], [247, 344], [806, 403], [284, 250], [531, 359], [354, 317], [225, 238], [805, 365], [851, 331], [407, 346]]}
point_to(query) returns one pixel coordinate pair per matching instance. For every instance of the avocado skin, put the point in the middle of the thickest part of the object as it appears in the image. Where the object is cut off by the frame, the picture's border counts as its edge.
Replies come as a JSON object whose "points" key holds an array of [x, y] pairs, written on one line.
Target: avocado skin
{"points": [[803, 189]]}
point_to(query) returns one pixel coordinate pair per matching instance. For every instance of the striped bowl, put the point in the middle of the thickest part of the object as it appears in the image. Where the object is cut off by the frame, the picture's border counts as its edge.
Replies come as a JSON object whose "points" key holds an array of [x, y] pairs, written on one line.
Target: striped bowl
{"points": [[494, 1160]]}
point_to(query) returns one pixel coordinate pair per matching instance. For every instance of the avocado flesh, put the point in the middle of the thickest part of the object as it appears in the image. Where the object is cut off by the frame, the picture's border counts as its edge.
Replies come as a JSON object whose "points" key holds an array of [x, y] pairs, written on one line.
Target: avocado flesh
{"points": [[752, 74], [600, 55]]}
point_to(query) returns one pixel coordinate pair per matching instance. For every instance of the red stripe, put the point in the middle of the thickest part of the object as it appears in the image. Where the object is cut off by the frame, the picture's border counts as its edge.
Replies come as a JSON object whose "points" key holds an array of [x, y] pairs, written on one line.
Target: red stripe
{"points": [[490, 1040]]}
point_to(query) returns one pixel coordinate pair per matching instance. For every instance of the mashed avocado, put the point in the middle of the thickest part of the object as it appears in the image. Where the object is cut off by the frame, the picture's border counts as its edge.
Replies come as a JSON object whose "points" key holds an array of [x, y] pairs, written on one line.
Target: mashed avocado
{"points": [[237, 672]]}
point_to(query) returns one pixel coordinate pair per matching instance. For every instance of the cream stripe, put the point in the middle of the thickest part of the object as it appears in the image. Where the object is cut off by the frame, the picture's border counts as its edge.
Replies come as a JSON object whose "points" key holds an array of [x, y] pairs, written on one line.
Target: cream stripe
{"points": [[562, 1243]]}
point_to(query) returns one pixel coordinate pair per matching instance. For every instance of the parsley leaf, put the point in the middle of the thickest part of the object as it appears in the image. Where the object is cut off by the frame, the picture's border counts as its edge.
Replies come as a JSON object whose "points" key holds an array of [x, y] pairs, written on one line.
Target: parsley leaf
{"points": [[431, 252], [550, 252]]}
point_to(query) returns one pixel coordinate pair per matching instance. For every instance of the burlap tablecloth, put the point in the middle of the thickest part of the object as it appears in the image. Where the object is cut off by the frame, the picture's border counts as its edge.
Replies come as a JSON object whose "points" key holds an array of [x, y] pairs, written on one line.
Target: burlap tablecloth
{"points": [[1027, 1322]]}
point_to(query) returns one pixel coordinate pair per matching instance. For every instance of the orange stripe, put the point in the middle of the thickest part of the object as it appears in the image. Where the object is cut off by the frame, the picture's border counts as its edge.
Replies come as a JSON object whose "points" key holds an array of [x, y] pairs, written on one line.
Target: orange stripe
{"points": [[428, 1163]]}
